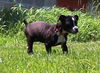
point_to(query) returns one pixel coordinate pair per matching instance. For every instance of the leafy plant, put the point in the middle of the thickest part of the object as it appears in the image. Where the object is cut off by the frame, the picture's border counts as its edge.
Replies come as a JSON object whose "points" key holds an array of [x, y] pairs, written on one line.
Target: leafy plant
{"points": [[11, 21]]}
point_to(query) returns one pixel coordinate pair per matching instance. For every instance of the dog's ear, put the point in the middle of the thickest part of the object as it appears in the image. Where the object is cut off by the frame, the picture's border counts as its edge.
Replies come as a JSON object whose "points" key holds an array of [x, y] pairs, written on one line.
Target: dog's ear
{"points": [[62, 17], [61, 20], [76, 17]]}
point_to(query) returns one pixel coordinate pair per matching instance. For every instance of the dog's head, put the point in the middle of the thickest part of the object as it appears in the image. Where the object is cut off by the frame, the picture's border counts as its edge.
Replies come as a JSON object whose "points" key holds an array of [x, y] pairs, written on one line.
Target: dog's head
{"points": [[69, 23]]}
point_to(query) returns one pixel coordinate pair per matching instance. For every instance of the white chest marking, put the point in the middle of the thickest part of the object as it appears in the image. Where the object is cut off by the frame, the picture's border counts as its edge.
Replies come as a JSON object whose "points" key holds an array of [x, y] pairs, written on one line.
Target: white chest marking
{"points": [[61, 39]]}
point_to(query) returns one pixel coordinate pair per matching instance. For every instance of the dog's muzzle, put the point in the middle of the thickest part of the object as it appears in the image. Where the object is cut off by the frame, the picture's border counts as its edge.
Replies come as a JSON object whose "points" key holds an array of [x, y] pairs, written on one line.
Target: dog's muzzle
{"points": [[75, 29]]}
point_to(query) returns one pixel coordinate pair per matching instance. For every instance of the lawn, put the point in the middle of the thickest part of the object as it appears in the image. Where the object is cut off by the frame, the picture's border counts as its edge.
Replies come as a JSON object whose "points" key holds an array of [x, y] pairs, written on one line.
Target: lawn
{"points": [[82, 58]]}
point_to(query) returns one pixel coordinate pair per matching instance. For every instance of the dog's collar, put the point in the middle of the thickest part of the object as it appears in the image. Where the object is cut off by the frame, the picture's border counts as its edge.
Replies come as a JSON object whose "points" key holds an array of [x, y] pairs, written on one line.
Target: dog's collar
{"points": [[64, 32], [60, 32]]}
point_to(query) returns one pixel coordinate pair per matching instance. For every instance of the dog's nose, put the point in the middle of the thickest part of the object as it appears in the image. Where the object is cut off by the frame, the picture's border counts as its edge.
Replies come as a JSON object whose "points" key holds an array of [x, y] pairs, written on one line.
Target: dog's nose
{"points": [[76, 29]]}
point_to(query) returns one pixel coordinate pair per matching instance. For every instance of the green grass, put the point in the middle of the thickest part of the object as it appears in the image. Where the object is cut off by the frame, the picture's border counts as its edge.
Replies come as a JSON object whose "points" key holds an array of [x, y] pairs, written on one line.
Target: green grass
{"points": [[82, 57]]}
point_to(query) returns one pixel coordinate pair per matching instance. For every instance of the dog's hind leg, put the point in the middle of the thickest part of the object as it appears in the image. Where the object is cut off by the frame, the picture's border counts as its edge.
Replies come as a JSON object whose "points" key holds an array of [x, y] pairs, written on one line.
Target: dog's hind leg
{"points": [[30, 45]]}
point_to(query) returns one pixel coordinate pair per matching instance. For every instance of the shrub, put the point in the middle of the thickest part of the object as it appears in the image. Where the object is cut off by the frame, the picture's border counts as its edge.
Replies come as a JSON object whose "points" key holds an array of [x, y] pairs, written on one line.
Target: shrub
{"points": [[11, 21]]}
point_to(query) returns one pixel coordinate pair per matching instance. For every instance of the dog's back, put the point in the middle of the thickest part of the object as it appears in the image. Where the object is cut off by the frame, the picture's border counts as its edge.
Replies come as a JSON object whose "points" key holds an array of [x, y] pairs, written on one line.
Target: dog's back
{"points": [[39, 30]]}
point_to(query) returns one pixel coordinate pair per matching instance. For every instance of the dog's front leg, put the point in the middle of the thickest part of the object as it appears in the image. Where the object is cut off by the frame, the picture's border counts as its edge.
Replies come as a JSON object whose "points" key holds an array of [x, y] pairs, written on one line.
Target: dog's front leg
{"points": [[48, 48], [64, 47]]}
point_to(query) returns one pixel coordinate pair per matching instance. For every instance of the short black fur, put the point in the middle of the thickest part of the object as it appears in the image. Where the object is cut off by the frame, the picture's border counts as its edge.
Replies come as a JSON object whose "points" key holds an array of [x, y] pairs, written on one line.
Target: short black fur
{"points": [[51, 35]]}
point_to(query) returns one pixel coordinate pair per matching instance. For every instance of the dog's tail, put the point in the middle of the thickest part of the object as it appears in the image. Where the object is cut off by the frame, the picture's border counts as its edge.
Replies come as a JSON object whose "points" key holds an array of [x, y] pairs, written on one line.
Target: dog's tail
{"points": [[25, 22]]}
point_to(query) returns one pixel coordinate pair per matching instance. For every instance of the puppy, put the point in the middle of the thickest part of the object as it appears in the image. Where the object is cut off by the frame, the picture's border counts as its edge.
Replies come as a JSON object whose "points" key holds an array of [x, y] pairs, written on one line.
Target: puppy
{"points": [[51, 35]]}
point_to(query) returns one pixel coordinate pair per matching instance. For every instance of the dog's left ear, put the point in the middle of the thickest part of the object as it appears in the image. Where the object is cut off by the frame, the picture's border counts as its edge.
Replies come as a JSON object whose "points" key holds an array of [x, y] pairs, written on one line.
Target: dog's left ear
{"points": [[62, 18], [76, 17]]}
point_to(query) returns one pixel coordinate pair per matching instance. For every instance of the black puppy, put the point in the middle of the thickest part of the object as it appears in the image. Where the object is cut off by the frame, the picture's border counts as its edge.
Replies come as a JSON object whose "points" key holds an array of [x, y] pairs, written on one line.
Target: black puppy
{"points": [[51, 35]]}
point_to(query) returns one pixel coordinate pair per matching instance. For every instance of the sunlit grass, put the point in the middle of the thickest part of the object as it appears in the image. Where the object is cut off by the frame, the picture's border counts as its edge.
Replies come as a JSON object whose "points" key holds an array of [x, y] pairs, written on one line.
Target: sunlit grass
{"points": [[82, 58]]}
